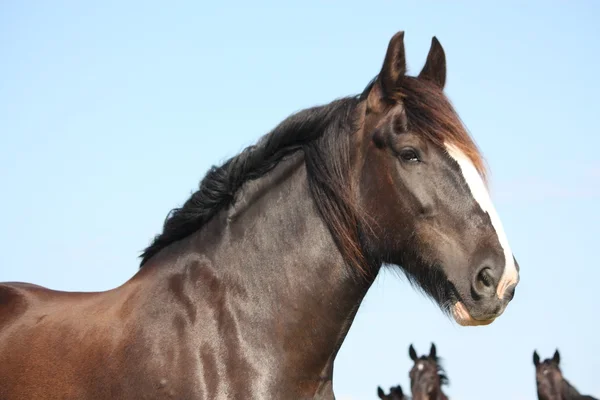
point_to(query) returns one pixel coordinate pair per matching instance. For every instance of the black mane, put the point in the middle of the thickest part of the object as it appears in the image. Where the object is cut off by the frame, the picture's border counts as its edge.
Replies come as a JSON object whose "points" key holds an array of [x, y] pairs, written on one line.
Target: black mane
{"points": [[322, 132], [444, 380]]}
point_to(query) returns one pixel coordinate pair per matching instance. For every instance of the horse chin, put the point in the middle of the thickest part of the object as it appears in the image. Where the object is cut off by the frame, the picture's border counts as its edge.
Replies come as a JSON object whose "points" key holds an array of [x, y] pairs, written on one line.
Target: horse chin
{"points": [[463, 317]]}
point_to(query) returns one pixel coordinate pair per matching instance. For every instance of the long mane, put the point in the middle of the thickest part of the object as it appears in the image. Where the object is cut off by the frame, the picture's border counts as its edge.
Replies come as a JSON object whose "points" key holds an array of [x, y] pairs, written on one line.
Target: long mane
{"points": [[324, 134]]}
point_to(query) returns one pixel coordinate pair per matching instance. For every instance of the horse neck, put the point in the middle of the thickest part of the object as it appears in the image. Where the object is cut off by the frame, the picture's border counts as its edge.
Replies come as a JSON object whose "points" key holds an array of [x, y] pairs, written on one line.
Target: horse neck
{"points": [[441, 395], [561, 390], [274, 265], [556, 395], [437, 395], [568, 391]]}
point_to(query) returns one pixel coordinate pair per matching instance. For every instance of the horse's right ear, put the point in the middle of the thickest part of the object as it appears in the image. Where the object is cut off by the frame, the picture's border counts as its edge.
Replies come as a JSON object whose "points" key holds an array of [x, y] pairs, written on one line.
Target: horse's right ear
{"points": [[433, 352], [412, 353], [380, 392], [536, 358], [435, 66], [399, 391], [556, 357], [392, 71]]}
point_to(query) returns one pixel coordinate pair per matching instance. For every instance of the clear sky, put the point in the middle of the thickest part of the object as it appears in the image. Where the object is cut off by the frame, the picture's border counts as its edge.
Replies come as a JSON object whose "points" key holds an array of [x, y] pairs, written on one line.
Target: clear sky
{"points": [[111, 112]]}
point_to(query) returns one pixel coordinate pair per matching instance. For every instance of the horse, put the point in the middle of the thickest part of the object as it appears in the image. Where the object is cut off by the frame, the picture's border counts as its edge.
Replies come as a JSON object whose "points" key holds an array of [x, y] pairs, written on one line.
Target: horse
{"points": [[427, 376], [253, 283], [551, 385], [396, 393]]}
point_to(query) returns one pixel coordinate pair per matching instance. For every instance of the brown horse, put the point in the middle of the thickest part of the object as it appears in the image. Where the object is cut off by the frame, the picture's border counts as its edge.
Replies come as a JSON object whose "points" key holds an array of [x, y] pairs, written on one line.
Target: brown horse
{"points": [[252, 286], [551, 385], [427, 376], [396, 393]]}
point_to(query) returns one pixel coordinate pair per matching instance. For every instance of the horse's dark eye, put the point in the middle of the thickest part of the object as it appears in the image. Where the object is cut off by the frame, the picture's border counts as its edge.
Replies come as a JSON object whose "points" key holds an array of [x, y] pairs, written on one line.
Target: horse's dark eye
{"points": [[409, 155]]}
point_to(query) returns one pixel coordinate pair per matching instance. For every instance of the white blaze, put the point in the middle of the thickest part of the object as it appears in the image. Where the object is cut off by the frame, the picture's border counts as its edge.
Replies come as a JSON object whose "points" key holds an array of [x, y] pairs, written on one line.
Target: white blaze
{"points": [[482, 197]]}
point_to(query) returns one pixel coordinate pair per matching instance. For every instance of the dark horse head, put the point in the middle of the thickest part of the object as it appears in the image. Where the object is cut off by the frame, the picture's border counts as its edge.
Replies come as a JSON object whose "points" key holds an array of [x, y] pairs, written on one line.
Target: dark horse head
{"points": [[551, 385], [395, 393], [419, 188], [427, 375]]}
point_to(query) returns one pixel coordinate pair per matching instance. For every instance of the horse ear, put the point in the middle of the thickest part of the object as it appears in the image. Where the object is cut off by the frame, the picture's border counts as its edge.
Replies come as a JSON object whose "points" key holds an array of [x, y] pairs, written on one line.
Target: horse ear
{"points": [[380, 392], [556, 357], [433, 351], [435, 66], [412, 353], [392, 71], [399, 390], [536, 358]]}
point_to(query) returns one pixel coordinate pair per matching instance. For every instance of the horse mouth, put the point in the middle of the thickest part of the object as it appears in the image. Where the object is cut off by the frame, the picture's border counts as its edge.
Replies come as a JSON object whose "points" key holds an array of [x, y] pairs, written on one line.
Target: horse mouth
{"points": [[461, 314], [463, 317]]}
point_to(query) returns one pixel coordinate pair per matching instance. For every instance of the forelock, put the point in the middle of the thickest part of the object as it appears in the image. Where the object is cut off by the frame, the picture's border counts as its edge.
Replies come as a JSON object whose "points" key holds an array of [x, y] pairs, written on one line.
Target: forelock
{"points": [[430, 114]]}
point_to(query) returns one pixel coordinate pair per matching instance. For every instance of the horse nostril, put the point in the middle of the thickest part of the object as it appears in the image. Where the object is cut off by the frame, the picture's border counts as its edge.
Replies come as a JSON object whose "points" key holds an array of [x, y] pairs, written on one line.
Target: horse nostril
{"points": [[485, 277], [484, 283]]}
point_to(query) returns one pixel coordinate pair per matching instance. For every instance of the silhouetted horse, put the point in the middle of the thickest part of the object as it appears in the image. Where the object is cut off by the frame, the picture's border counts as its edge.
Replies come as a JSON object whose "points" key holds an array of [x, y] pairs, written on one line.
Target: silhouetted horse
{"points": [[551, 385], [427, 376], [395, 393], [251, 287]]}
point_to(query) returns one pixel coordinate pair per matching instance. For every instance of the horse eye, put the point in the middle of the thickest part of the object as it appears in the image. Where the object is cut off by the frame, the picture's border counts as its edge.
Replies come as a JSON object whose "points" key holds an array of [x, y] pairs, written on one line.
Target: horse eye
{"points": [[409, 155]]}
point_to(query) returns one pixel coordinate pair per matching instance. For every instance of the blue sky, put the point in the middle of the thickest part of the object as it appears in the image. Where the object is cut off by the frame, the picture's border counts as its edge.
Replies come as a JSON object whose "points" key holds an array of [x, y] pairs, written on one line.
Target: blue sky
{"points": [[111, 112]]}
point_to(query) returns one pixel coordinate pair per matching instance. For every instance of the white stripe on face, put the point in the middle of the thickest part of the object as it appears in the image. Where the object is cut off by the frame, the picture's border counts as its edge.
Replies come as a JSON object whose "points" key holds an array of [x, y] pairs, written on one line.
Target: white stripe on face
{"points": [[510, 275]]}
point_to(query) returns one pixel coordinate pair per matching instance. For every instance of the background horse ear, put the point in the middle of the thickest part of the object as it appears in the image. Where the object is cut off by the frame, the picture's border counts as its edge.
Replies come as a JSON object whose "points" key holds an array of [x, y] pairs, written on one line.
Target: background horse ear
{"points": [[380, 392], [392, 71], [435, 66], [433, 352], [536, 358], [399, 391], [412, 353], [556, 357]]}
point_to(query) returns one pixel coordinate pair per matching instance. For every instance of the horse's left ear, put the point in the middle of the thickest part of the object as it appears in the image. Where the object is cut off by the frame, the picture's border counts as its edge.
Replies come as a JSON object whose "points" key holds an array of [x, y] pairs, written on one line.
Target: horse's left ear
{"points": [[380, 392], [412, 353], [433, 351], [536, 358], [435, 66], [392, 71], [556, 357]]}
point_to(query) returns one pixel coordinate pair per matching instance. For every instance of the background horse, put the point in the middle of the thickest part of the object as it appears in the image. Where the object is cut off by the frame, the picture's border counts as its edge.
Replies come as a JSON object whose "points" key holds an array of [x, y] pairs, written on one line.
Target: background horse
{"points": [[396, 393], [427, 376], [551, 385], [252, 286]]}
